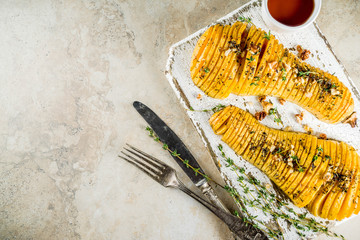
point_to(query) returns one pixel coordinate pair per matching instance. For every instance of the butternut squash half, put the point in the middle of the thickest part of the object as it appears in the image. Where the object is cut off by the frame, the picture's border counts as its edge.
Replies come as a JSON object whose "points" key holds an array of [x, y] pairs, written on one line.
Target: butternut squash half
{"points": [[322, 175], [245, 60]]}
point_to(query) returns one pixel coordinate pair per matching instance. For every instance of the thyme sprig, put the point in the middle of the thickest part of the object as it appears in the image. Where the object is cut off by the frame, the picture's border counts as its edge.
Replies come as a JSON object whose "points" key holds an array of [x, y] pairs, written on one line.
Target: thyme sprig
{"points": [[306, 73], [214, 109], [277, 116], [267, 35], [245, 19], [271, 204], [177, 155]]}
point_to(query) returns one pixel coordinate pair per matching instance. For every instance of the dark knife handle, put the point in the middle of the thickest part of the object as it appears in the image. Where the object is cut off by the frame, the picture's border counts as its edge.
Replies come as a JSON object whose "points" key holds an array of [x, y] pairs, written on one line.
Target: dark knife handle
{"points": [[240, 228]]}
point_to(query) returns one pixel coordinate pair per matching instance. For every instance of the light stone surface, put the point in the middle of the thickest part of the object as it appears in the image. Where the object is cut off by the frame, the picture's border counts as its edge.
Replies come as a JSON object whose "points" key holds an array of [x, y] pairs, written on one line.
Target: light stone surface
{"points": [[69, 72]]}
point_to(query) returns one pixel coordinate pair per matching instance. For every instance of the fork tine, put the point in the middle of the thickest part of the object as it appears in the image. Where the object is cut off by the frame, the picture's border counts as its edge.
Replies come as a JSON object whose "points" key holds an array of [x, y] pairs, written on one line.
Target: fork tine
{"points": [[142, 163], [148, 161], [140, 166], [155, 160]]}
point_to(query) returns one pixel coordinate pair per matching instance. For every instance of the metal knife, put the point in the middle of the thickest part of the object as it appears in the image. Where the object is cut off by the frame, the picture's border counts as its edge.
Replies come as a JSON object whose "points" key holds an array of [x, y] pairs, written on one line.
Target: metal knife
{"points": [[166, 135]]}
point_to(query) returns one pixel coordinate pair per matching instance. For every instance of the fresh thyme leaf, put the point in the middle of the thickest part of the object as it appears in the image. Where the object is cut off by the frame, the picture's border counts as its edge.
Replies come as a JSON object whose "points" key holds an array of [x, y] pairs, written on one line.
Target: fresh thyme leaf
{"points": [[175, 154], [327, 157], [149, 129], [245, 19], [206, 70], [165, 146], [306, 73], [267, 35], [250, 59], [220, 147], [256, 78], [277, 116], [253, 84], [191, 108], [186, 162]]}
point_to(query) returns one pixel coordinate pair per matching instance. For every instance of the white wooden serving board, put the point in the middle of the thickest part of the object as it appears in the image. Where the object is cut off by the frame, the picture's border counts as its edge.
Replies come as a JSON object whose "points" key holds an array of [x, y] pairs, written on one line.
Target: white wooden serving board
{"points": [[178, 75]]}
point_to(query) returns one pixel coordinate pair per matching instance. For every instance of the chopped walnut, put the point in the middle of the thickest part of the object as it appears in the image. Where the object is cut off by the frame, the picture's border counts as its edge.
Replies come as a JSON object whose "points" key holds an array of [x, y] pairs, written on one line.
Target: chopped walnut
{"points": [[277, 157], [334, 92], [242, 54], [273, 65], [282, 101], [227, 52], [253, 49], [260, 115], [288, 129], [267, 186], [303, 53], [308, 94], [262, 98], [299, 117], [199, 96], [351, 120], [272, 148], [322, 136], [308, 129], [302, 81], [266, 106], [286, 66], [250, 104], [327, 176]]}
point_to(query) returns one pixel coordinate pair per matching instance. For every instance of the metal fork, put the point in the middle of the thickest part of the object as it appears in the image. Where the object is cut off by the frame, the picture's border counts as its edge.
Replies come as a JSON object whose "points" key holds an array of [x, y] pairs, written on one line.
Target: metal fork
{"points": [[166, 176]]}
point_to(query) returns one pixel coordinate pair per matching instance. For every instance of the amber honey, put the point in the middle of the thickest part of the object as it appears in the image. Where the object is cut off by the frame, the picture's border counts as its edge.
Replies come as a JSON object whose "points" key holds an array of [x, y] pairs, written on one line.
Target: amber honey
{"points": [[291, 12]]}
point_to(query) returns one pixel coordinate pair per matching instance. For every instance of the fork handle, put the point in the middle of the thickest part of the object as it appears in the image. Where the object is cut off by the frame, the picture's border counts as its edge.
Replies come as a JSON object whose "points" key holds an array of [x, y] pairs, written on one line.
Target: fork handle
{"points": [[236, 225]]}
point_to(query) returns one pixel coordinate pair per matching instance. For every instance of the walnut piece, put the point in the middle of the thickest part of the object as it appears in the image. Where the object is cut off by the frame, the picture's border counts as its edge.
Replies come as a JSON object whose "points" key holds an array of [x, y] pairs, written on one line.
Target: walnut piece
{"points": [[287, 129], [262, 98], [282, 101], [351, 120], [253, 49], [327, 176], [286, 66], [299, 117], [260, 115], [272, 148], [303, 53], [273, 65], [322, 136], [308, 129], [334, 92], [308, 94], [267, 106]]}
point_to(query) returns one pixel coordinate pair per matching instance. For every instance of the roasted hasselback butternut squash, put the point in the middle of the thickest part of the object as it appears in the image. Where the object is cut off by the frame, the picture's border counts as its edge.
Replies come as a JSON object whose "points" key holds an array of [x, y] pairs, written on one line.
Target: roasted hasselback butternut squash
{"points": [[245, 60], [322, 175]]}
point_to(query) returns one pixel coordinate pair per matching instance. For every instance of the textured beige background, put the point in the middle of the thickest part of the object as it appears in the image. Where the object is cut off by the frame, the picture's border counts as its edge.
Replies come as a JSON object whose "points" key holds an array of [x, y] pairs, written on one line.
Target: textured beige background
{"points": [[69, 71]]}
